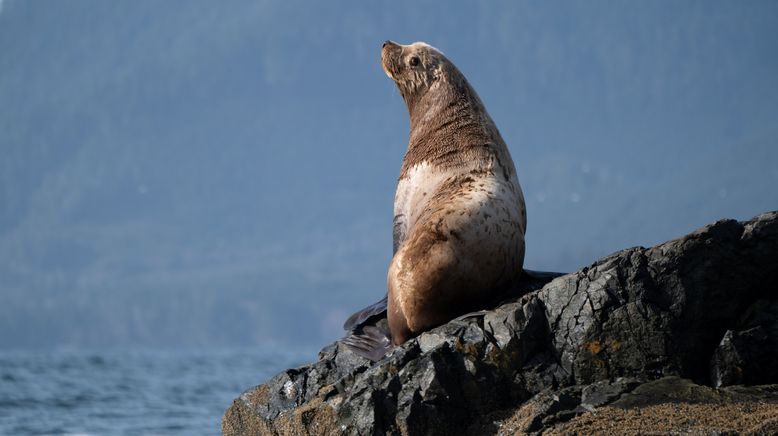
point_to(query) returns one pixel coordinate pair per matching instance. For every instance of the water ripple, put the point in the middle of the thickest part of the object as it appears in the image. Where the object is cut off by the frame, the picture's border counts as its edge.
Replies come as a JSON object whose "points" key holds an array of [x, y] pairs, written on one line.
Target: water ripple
{"points": [[128, 392]]}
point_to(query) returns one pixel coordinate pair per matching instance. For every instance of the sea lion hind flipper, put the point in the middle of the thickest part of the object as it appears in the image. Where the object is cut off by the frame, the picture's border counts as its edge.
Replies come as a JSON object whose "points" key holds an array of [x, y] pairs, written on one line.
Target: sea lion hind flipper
{"points": [[360, 317], [372, 342]]}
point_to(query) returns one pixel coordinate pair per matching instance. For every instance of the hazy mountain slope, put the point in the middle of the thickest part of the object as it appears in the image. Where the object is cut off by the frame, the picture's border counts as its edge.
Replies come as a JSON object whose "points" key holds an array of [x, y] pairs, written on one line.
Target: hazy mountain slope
{"points": [[198, 173]]}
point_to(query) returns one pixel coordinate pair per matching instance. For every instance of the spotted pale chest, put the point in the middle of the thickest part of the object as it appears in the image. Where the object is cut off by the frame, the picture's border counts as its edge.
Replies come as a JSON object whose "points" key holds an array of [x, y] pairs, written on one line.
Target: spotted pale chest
{"points": [[413, 193], [416, 189]]}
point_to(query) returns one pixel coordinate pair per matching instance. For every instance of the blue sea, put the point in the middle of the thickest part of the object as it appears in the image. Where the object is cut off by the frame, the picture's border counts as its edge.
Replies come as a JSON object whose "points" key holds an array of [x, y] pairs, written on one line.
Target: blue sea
{"points": [[129, 392]]}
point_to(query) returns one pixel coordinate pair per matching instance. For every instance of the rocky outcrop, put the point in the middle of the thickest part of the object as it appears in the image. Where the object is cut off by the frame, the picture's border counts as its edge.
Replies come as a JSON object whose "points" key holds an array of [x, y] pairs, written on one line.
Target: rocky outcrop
{"points": [[694, 312]]}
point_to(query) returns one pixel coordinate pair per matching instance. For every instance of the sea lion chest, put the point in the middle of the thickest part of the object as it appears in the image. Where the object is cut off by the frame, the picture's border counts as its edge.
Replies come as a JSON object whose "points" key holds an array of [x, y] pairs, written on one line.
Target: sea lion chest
{"points": [[425, 186], [414, 191]]}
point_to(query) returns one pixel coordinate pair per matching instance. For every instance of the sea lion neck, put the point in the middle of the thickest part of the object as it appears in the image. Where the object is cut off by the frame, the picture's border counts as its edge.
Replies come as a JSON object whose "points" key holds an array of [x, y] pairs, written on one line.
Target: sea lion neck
{"points": [[447, 126], [443, 101]]}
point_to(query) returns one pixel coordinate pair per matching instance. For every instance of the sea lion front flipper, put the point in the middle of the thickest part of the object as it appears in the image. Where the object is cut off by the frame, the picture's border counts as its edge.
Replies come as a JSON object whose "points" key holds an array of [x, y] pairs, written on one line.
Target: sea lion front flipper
{"points": [[372, 342], [540, 275], [361, 316], [476, 314]]}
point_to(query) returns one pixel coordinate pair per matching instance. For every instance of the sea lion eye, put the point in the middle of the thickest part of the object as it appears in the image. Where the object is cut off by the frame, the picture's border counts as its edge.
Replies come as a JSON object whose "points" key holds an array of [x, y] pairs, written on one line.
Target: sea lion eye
{"points": [[414, 61]]}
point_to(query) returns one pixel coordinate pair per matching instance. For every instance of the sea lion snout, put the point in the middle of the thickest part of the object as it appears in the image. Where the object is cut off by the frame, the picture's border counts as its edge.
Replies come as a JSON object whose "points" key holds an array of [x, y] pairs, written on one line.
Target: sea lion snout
{"points": [[391, 53]]}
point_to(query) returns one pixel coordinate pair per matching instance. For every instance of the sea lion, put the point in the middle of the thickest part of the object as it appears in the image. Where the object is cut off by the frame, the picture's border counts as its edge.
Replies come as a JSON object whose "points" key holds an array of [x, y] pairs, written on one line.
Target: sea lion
{"points": [[459, 212]]}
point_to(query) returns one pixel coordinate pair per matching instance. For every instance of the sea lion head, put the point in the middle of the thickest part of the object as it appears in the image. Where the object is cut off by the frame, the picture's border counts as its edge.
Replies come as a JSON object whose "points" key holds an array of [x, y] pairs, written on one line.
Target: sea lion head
{"points": [[418, 68]]}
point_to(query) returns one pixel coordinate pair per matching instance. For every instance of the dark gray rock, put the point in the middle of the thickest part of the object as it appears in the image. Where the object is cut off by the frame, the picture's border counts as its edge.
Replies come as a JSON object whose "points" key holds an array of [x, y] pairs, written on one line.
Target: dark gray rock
{"points": [[604, 392], [583, 341], [678, 390], [749, 355], [554, 406], [660, 311]]}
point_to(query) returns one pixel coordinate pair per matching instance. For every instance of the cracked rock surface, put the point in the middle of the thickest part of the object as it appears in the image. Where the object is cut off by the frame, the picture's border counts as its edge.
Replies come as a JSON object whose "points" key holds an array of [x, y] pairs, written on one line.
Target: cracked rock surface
{"points": [[667, 323]]}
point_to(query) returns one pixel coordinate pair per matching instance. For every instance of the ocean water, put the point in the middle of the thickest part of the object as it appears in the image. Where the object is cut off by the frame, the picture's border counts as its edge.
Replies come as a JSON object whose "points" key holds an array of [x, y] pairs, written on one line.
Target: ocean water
{"points": [[129, 392]]}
